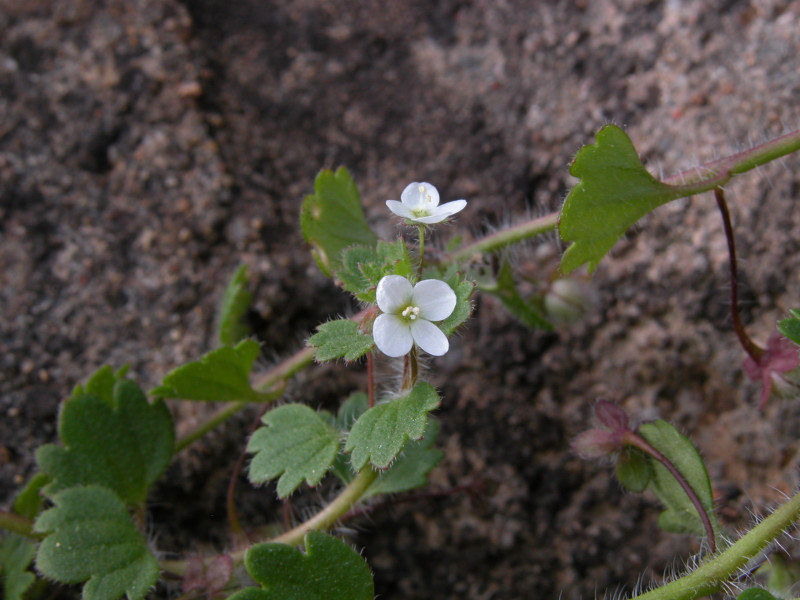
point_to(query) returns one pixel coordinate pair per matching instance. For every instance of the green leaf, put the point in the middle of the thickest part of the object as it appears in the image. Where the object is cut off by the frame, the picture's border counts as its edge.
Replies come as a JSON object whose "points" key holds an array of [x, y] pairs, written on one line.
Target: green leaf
{"points": [[381, 433], [16, 554], [101, 383], [506, 290], [614, 191], [364, 266], [634, 470], [340, 339], [790, 327], [463, 289], [329, 570], [222, 375], [124, 445], [92, 537], [680, 515], [332, 219], [235, 302], [782, 574], [29, 501], [296, 444], [410, 470], [350, 410], [756, 594]]}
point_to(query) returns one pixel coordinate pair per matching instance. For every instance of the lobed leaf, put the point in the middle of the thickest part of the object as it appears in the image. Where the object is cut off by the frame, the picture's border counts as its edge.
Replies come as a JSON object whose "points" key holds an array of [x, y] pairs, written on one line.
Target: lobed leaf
{"points": [[93, 538], [222, 375], [101, 383], [505, 288], [329, 570], [381, 433], [364, 266], [615, 190], [463, 289], [235, 302], [16, 554], [296, 445], [340, 339], [332, 219], [124, 445], [28, 502], [680, 515], [410, 470]]}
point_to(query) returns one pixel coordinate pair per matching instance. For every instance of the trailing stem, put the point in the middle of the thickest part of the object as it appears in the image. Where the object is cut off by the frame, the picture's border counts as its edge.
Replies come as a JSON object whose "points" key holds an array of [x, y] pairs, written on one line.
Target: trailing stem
{"points": [[753, 350], [710, 576]]}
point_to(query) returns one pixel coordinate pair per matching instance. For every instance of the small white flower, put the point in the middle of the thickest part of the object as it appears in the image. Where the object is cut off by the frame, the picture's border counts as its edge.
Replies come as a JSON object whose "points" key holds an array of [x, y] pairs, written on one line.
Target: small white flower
{"points": [[407, 315], [420, 204]]}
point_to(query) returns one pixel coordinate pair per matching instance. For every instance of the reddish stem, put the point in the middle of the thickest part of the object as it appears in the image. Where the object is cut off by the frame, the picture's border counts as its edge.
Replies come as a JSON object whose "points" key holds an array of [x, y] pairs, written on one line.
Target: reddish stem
{"points": [[634, 439], [753, 350], [370, 381]]}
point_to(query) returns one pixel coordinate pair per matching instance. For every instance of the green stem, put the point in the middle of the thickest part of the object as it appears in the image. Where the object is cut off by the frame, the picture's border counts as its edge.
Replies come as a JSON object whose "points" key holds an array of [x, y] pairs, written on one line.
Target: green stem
{"points": [[17, 524], [272, 383], [713, 174], [323, 520], [421, 249], [506, 237], [709, 577]]}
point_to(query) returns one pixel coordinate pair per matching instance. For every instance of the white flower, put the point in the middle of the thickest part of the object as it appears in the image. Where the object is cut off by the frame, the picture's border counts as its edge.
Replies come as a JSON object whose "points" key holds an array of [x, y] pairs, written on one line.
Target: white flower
{"points": [[420, 204], [407, 315]]}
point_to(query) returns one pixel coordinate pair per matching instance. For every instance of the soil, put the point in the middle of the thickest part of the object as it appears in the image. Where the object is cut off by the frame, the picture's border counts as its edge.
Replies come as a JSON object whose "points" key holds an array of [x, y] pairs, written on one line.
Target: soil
{"points": [[148, 147]]}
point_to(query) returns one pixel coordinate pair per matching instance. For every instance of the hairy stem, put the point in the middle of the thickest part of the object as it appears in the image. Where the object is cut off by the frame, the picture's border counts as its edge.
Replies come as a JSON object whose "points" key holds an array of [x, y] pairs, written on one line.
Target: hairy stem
{"points": [[634, 439], [708, 176], [710, 576], [753, 350], [506, 237], [322, 521]]}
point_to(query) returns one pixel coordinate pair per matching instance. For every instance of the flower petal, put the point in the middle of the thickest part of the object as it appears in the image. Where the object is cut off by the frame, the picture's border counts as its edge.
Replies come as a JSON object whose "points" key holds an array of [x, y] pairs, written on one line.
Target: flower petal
{"points": [[392, 335], [420, 195], [400, 209], [436, 299], [393, 293], [450, 208], [429, 337]]}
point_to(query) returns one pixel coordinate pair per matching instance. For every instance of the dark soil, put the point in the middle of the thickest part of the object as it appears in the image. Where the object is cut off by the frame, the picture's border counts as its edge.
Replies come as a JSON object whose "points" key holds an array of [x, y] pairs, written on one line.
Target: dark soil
{"points": [[148, 147]]}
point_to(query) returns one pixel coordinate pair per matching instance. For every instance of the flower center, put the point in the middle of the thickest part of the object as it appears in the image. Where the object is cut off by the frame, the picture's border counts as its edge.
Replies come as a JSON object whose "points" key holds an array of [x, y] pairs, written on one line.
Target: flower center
{"points": [[410, 312], [425, 200]]}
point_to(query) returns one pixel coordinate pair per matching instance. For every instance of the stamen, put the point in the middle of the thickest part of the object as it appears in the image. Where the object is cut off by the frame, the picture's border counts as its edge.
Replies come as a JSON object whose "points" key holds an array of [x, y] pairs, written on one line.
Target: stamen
{"points": [[410, 312]]}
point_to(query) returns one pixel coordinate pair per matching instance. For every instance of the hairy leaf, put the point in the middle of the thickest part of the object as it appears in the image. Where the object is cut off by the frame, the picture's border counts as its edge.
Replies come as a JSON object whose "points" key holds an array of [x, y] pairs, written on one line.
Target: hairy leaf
{"points": [[506, 290], [16, 554], [235, 302], [332, 219], [614, 191], [92, 538], [101, 383], [463, 289], [329, 570], [680, 515], [29, 501], [410, 470], [295, 444], [364, 266], [124, 445], [381, 433], [340, 339], [222, 375]]}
